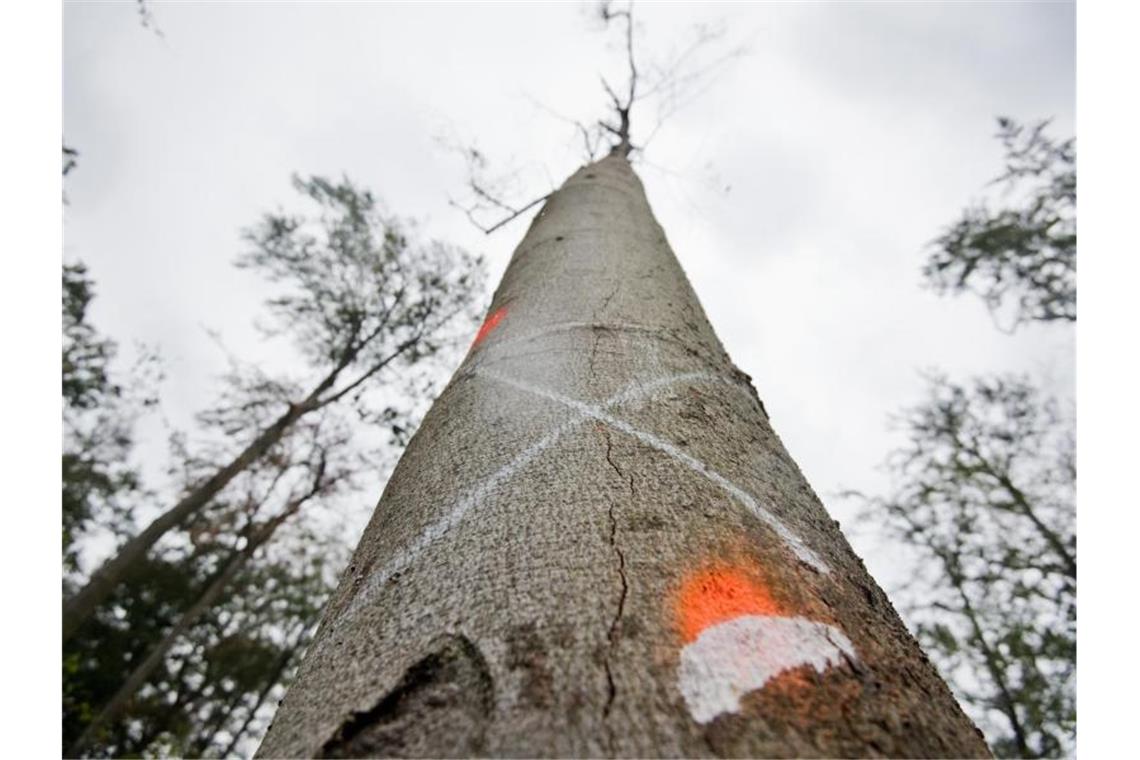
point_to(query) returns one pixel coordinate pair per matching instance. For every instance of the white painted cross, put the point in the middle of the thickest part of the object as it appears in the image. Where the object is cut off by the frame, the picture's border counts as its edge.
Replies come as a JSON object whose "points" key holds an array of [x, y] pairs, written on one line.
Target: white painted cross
{"points": [[794, 542], [486, 488]]}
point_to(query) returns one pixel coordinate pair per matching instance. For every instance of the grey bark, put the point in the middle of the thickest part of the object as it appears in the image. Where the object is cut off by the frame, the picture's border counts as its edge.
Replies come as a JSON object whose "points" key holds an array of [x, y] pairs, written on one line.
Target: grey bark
{"points": [[519, 588]]}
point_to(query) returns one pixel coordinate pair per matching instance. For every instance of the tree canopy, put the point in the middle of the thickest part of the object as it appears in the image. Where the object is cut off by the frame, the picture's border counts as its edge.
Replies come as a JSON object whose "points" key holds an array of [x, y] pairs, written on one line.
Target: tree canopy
{"points": [[984, 493], [192, 644], [1020, 258]]}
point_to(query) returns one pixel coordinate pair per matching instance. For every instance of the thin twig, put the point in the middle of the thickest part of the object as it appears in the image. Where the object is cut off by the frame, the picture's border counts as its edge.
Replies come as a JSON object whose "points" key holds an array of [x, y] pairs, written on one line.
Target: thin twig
{"points": [[488, 230]]}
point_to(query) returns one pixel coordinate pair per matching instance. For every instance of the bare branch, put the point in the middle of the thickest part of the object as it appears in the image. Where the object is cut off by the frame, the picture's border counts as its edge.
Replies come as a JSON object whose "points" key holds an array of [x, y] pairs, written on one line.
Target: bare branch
{"points": [[146, 18], [627, 14], [610, 91], [479, 191], [609, 128], [514, 215], [589, 141]]}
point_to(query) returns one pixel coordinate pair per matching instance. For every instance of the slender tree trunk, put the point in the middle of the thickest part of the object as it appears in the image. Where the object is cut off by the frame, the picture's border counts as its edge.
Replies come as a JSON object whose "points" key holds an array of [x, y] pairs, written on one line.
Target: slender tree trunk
{"points": [[997, 670], [80, 606], [220, 716], [283, 663], [596, 545], [114, 707], [181, 696]]}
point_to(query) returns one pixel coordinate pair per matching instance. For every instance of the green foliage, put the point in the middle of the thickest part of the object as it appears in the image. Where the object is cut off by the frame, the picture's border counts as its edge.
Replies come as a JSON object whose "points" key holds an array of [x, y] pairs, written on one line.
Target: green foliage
{"points": [[213, 689], [355, 288], [85, 354], [985, 493], [984, 490], [360, 301], [1022, 258], [97, 659], [99, 412]]}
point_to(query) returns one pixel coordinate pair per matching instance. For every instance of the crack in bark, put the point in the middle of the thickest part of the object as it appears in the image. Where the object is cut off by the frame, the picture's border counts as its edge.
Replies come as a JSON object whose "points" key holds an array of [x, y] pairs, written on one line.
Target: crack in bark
{"points": [[613, 464], [615, 622], [610, 297], [594, 350], [598, 327], [611, 693]]}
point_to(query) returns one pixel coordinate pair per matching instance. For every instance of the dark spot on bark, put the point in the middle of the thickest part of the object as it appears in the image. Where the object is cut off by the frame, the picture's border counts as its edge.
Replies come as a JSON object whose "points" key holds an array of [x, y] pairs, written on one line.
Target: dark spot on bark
{"points": [[644, 523], [439, 708], [631, 627], [564, 635], [591, 175], [527, 652]]}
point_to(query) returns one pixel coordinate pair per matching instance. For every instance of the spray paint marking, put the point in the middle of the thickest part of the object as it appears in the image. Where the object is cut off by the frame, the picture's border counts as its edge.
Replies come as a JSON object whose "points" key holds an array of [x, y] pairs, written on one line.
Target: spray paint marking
{"points": [[790, 539], [572, 326], [717, 594], [741, 655], [490, 323], [486, 488], [737, 640]]}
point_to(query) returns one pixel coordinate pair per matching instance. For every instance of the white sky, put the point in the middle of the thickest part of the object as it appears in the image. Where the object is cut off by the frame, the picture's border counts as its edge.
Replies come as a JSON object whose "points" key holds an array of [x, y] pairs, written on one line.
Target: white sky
{"points": [[849, 136]]}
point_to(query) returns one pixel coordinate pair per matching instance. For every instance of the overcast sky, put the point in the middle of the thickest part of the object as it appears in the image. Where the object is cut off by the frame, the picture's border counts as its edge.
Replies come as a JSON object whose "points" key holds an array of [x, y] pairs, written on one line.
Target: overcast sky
{"points": [[798, 192]]}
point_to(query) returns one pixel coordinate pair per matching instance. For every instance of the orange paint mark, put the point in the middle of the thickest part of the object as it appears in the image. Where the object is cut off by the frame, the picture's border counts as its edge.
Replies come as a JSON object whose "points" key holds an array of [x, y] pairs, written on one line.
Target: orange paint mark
{"points": [[489, 324], [718, 594]]}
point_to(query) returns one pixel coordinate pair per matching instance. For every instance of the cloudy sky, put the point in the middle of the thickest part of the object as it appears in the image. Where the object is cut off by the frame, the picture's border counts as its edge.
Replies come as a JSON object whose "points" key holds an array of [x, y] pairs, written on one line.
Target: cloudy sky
{"points": [[798, 191]]}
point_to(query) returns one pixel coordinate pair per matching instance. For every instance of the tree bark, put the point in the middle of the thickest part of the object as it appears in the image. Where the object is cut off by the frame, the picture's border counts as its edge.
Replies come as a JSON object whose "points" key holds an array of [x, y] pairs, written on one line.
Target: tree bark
{"points": [[596, 545]]}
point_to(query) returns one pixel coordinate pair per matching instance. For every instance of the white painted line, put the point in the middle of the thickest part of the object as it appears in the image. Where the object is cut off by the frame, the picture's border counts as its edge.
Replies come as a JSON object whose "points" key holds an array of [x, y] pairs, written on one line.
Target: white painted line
{"points": [[794, 542], [485, 488], [733, 658], [493, 348]]}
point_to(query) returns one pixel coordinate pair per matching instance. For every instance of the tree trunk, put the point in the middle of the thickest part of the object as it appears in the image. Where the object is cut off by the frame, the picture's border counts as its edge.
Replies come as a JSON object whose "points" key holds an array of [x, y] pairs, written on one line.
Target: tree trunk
{"points": [[80, 606], [283, 663], [596, 545], [114, 707]]}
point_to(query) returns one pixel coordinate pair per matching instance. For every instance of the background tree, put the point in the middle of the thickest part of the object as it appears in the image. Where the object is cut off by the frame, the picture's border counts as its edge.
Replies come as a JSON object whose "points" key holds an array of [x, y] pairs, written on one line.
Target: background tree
{"points": [[100, 408], [316, 465], [214, 687], [189, 653], [984, 493], [1021, 259], [360, 302]]}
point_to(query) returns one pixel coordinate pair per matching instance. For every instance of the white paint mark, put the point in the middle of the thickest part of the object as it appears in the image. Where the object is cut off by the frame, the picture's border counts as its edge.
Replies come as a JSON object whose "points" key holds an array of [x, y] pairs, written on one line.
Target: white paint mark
{"points": [[486, 488], [740, 655], [561, 327], [794, 542]]}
